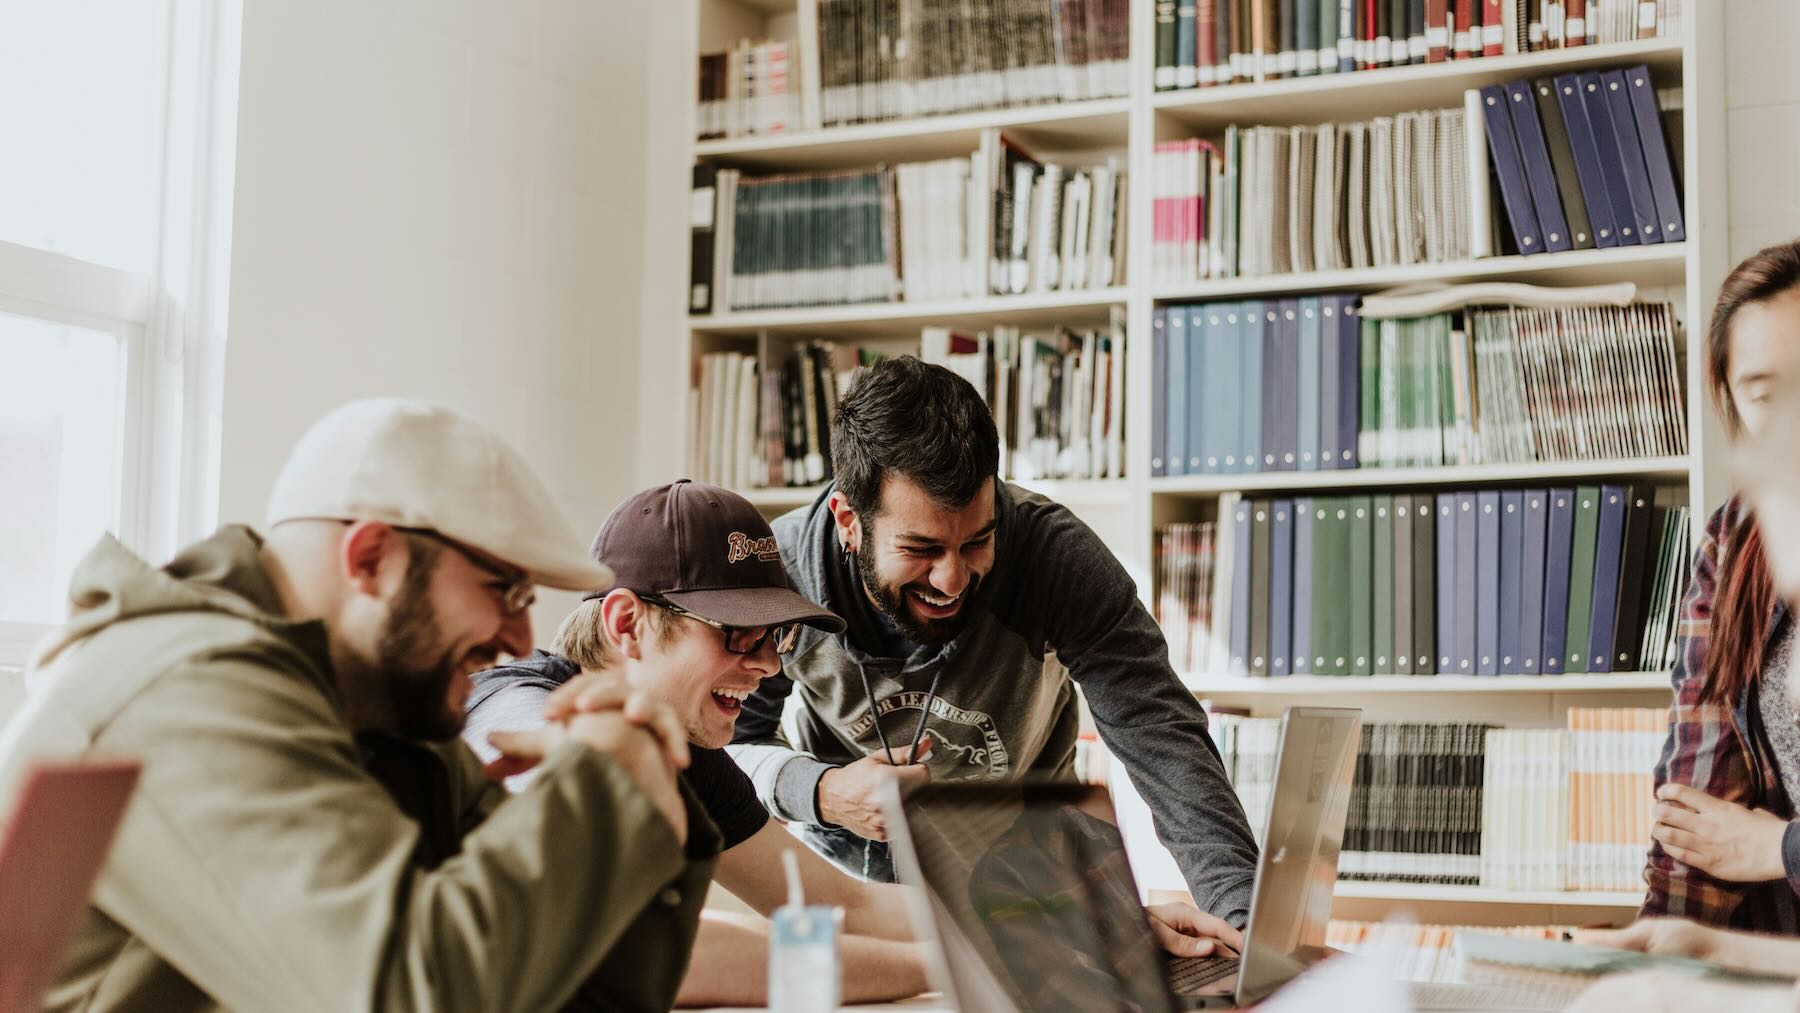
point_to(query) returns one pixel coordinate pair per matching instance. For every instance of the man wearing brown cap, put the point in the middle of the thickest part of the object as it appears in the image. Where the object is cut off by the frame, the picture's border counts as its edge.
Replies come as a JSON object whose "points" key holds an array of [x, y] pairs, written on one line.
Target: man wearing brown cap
{"points": [[308, 833], [698, 615]]}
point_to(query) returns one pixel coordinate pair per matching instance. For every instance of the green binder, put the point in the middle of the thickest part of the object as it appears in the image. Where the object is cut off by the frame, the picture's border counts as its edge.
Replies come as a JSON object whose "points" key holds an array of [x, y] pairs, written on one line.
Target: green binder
{"points": [[1381, 660], [1330, 588], [1361, 607]]}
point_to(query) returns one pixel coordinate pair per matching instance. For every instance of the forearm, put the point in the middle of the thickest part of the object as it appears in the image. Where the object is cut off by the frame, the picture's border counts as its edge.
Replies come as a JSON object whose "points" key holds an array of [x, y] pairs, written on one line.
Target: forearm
{"points": [[730, 965], [787, 781], [880, 912], [1756, 952]]}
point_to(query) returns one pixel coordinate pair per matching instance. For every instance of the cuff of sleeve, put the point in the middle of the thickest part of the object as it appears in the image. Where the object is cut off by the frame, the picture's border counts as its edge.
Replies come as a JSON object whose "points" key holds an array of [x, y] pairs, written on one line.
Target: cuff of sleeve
{"points": [[797, 790], [1790, 854]]}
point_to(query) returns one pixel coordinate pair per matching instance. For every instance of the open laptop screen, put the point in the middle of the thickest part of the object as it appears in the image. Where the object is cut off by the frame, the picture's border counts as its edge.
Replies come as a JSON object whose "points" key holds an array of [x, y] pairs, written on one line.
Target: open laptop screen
{"points": [[1035, 898]]}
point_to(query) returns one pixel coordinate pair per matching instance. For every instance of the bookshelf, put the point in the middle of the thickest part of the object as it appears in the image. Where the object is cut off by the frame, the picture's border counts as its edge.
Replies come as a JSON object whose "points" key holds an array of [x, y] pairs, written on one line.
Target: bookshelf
{"points": [[1128, 511]]}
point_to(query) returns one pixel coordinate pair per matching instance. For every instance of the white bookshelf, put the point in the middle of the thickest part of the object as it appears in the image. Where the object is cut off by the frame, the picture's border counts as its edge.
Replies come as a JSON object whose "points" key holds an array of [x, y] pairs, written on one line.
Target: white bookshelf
{"points": [[1128, 511]]}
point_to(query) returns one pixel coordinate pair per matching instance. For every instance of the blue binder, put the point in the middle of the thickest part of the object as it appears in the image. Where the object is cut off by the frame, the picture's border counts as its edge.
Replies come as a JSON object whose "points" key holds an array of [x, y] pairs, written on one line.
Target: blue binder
{"points": [[1446, 583], [1311, 396], [1175, 386], [1512, 553], [1240, 589], [1539, 175], [1536, 514], [1612, 163], [1608, 547], [1203, 350], [1287, 375], [1587, 161], [1225, 397], [1300, 649], [1510, 167], [1487, 582], [1631, 156], [1558, 541], [1657, 157], [1273, 379], [1248, 322], [1281, 586], [1159, 391]]}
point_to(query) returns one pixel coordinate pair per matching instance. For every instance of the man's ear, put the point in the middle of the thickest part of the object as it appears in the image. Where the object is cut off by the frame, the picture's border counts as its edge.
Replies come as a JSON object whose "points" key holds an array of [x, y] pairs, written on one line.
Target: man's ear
{"points": [[366, 549], [624, 622], [849, 524]]}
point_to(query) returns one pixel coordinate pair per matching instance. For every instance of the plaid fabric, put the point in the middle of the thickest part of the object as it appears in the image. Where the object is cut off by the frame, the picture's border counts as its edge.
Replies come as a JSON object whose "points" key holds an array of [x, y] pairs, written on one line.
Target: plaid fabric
{"points": [[1724, 752]]}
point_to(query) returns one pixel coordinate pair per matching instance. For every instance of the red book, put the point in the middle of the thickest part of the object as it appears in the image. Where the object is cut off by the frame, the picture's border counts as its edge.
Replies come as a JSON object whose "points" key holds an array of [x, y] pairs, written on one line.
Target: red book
{"points": [[1464, 42], [1575, 22], [1437, 37], [1493, 35], [1365, 59], [1206, 39]]}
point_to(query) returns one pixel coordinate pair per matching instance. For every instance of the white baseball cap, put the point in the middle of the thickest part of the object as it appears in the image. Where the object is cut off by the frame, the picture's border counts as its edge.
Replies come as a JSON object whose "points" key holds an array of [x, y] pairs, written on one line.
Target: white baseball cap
{"points": [[417, 465]]}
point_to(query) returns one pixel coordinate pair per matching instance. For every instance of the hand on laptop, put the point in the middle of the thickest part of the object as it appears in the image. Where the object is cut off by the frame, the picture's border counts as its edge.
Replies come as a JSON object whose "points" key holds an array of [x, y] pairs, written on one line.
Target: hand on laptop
{"points": [[1186, 931], [850, 796], [1720, 838]]}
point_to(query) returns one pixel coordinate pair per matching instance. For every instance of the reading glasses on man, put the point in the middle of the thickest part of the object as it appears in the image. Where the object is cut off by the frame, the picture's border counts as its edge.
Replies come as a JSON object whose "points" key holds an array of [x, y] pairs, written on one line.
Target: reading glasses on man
{"points": [[517, 591], [740, 639]]}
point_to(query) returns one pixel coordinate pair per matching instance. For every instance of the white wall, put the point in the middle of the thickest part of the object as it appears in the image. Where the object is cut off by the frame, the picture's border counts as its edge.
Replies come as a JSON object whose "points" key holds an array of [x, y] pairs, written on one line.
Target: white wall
{"points": [[441, 199], [1762, 96]]}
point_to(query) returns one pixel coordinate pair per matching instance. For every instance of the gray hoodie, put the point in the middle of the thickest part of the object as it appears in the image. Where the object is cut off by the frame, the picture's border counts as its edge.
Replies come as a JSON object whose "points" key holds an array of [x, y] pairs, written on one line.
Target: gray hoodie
{"points": [[1056, 610]]}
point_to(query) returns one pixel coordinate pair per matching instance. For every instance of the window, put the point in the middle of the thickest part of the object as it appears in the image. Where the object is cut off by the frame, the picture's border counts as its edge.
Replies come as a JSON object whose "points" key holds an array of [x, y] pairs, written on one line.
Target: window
{"points": [[118, 118]]}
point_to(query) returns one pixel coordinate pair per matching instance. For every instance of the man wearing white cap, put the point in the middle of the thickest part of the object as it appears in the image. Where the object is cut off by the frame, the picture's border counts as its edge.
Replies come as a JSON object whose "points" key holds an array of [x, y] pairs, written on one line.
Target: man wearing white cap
{"points": [[308, 832]]}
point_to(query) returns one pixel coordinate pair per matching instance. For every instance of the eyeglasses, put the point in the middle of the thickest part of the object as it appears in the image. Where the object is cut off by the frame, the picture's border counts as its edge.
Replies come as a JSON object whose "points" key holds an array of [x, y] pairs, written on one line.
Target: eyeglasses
{"points": [[739, 639], [518, 592]]}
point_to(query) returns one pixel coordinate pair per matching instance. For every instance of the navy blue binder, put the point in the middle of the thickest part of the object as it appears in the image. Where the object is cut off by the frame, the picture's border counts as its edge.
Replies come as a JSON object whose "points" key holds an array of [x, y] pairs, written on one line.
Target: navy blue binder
{"points": [[1512, 554], [1609, 545], [1300, 650], [1281, 586], [1612, 163], [1311, 397], [1446, 583], [1274, 380], [1240, 588], [1536, 513], [1503, 147], [1468, 583], [1159, 391], [1203, 350], [1631, 155], [1175, 383], [1248, 323], [1539, 175], [1558, 541], [1487, 582], [1350, 380], [1587, 161], [1329, 382], [1657, 157]]}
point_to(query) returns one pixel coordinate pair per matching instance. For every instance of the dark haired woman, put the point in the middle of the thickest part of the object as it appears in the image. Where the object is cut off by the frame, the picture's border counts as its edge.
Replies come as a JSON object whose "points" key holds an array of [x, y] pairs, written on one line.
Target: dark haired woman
{"points": [[1726, 849]]}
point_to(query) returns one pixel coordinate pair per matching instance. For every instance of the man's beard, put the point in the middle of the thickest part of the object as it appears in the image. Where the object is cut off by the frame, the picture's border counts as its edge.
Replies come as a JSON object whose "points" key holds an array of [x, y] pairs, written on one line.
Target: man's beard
{"points": [[892, 603], [418, 685]]}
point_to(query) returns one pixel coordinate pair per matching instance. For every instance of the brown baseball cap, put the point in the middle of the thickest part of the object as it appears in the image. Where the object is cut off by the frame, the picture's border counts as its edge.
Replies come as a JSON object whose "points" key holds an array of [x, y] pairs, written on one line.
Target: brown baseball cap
{"points": [[707, 550]]}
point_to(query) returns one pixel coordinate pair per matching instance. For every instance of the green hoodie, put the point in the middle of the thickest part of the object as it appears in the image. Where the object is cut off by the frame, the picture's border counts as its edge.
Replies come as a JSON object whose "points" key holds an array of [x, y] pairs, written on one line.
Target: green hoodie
{"points": [[263, 863]]}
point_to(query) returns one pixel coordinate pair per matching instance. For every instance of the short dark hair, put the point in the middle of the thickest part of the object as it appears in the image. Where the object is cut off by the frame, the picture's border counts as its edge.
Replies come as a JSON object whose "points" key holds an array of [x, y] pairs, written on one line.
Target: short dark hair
{"points": [[919, 420]]}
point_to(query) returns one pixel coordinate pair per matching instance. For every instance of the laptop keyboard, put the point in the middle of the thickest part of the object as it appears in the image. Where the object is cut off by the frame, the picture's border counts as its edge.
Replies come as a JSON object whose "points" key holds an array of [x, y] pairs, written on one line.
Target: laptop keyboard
{"points": [[1188, 975]]}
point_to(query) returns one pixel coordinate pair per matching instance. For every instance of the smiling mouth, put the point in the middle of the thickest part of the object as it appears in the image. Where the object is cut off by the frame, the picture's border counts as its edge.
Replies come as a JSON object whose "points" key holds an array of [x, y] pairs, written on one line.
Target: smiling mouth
{"points": [[935, 606], [731, 701]]}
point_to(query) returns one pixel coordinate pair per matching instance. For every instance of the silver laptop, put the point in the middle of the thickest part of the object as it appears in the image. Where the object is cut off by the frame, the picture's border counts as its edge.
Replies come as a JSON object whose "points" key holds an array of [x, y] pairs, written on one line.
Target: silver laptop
{"points": [[1027, 889]]}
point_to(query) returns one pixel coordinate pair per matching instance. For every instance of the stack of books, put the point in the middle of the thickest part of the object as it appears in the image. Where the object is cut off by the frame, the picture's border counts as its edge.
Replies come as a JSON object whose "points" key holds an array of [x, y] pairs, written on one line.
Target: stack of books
{"points": [[1582, 161], [751, 88], [766, 427], [998, 222], [1475, 582], [1466, 804], [1203, 43], [1389, 191], [1306, 385]]}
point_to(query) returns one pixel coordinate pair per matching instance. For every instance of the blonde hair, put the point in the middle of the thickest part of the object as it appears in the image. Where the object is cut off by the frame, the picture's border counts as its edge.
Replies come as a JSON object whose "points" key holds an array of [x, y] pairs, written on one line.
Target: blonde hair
{"points": [[582, 636]]}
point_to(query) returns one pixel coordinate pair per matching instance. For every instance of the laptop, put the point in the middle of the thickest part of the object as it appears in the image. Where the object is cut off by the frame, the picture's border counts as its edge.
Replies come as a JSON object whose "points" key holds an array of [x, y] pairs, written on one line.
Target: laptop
{"points": [[1028, 888], [52, 845]]}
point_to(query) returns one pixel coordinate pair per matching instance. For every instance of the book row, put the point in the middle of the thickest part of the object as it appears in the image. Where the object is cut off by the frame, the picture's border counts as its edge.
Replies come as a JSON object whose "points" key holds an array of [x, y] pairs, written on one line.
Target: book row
{"points": [[1478, 582], [1581, 161], [897, 59], [1204, 43], [1429, 953], [997, 222], [1384, 192], [751, 88], [1308, 384], [1466, 804], [759, 427]]}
